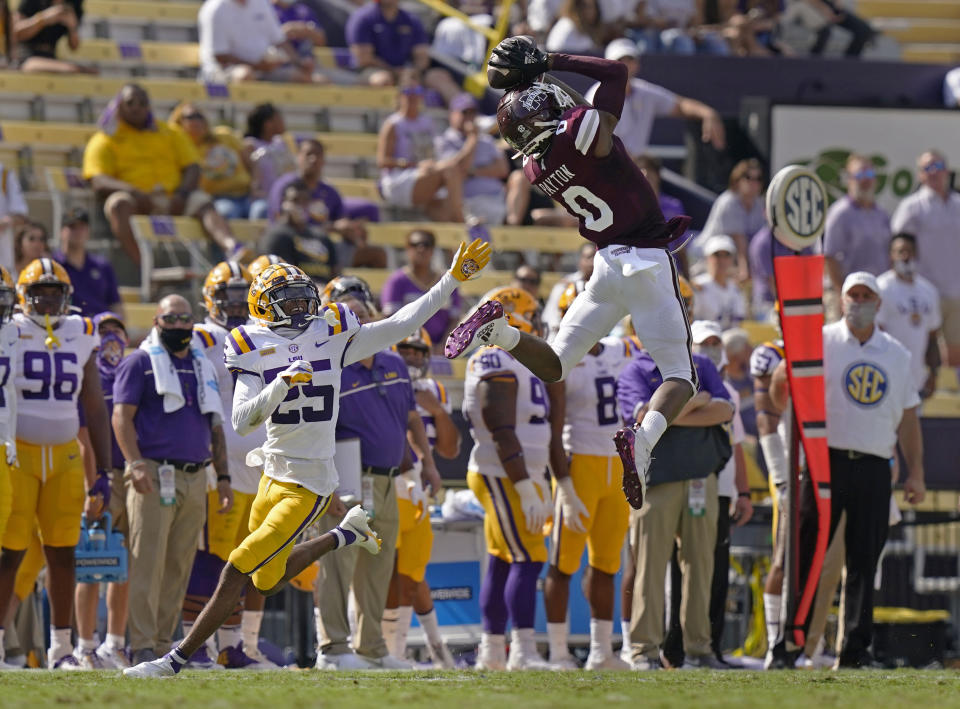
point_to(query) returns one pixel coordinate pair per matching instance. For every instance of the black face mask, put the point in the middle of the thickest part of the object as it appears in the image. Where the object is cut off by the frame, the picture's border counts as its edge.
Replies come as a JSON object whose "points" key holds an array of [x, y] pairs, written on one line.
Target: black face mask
{"points": [[175, 339]]}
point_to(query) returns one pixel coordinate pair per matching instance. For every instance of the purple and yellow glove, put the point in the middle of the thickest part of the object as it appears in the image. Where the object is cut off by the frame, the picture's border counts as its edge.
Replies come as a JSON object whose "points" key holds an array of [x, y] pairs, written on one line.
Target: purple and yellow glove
{"points": [[470, 260], [299, 372], [101, 487]]}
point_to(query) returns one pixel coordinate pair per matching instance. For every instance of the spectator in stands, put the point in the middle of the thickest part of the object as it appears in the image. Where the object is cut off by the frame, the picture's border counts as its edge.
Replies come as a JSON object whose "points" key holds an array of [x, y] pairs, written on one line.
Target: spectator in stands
{"points": [[651, 166], [269, 154], [384, 39], [579, 29], [839, 16], [13, 214], [224, 165], [646, 101], [301, 27], [951, 88], [527, 278], [763, 248], [241, 40], [31, 242], [141, 166], [910, 311], [38, 25], [739, 211], [482, 163], [409, 174], [167, 451], [92, 276], [750, 27], [674, 27], [296, 240], [932, 214], [719, 298], [857, 233], [329, 211], [413, 280]]}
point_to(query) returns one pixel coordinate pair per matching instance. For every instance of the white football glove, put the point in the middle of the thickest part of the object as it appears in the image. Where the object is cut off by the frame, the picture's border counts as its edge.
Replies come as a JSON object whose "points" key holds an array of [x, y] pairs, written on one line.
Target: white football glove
{"points": [[573, 508], [299, 372], [12, 453], [535, 510]]}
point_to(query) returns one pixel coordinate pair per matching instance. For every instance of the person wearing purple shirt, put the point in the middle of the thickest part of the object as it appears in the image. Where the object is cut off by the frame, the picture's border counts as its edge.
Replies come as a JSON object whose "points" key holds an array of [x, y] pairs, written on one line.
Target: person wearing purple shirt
{"points": [[329, 211], [763, 249], [300, 26], [857, 232], [93, 279], [378, 407], [485, 167], [678, 503], [180, 431], [413, 280]]}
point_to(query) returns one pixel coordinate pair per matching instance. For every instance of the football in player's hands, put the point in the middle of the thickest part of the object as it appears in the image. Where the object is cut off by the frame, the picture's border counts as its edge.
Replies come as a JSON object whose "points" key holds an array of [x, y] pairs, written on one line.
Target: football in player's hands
{"points": [[516, 60], [299, 372]]}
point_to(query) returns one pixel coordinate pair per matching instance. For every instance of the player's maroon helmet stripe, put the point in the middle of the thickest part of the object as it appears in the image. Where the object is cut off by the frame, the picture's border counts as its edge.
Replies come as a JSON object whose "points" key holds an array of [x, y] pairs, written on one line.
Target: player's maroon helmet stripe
{"points": [[528, 116]]}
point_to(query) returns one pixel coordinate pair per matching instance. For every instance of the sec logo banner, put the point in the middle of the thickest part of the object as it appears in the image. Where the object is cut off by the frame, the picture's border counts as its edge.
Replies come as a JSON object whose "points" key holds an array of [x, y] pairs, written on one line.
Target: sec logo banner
{"points": [[797, 207], [865, 383]]}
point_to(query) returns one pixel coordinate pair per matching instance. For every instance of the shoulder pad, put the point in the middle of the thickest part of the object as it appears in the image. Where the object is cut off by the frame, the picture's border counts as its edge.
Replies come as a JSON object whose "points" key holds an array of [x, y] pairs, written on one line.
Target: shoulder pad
{"points": [[343, 319], [88, 328], [240, 341], [204, 336]]}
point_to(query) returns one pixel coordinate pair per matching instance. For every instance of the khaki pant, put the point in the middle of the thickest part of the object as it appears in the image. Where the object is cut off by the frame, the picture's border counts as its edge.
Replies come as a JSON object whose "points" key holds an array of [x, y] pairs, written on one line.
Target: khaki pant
{"points": [[666, 516], [370, 576], [163, 541], [830, 577]]}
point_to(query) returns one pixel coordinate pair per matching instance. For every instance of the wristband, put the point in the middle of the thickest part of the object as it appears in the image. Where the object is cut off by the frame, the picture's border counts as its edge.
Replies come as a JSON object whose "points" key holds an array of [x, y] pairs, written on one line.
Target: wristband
{"points": [[221, 478], [518, 454], [743, 494]]}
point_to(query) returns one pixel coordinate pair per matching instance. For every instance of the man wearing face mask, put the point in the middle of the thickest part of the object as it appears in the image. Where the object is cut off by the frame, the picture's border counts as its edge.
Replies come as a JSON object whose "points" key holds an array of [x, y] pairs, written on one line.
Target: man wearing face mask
{"points": [[910, 311], [871, 402], [295, 240], [857, 229], [168, 420]]}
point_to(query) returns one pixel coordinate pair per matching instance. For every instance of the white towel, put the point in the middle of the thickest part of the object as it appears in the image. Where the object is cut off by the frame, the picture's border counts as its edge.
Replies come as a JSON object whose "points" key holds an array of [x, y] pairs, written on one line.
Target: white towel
{"points": [[168, 383]]}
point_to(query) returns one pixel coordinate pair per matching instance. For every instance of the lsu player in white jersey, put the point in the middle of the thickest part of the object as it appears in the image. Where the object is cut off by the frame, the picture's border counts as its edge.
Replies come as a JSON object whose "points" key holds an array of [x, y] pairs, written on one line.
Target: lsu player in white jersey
{"points": [[55, 368], [9, 341], [225, 300], [589, 415], [287, 369], [509, 410], [415, 540]]}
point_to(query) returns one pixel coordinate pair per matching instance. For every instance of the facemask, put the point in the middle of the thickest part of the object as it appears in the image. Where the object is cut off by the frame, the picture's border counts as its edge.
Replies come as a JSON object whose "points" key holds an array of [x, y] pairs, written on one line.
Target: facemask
{"points": [[860, 315], [905, 268], [111, 352], [175, 339], [712, 352]]}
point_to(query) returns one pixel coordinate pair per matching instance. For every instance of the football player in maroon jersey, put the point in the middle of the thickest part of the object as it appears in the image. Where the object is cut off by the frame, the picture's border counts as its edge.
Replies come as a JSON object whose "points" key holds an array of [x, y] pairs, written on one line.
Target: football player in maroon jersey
{"points": [[570, 152]]}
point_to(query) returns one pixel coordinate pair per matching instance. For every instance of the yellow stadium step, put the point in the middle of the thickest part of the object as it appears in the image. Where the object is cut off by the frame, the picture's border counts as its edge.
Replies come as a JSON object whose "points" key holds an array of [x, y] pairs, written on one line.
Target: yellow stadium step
{"points": [[947, 379], [932, 9], [942, 405], [926, 31], [168, 11], [931, 53]]}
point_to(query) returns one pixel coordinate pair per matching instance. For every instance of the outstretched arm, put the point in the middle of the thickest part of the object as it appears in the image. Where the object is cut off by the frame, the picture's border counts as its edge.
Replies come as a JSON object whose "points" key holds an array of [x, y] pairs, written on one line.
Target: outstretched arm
{"points": [[610, 95], [468, 262]]}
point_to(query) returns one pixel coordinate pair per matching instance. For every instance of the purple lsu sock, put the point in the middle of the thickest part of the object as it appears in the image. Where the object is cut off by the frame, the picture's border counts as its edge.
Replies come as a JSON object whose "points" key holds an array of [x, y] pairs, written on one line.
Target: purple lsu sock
{"points": [[521, 592], [493, 607], [205, 574]]}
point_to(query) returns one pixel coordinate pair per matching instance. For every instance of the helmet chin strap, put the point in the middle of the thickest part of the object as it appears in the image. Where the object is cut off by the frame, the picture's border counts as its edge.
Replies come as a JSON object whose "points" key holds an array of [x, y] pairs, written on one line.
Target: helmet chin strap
{"points": [[52, 342]]}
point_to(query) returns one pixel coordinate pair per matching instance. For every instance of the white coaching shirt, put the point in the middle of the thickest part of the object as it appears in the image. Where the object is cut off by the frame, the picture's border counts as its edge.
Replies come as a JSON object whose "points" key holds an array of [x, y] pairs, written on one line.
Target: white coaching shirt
{"points": [[909, 312], [868, 387]]}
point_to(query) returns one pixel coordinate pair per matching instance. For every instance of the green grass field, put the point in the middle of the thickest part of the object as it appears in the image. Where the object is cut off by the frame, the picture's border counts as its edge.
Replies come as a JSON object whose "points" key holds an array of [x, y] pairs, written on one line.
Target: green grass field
{"points": [[694, 689]]}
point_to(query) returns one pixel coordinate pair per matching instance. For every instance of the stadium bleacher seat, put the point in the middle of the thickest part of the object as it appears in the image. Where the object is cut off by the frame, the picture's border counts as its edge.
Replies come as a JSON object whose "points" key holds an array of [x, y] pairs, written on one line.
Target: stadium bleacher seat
{"points": [[928, 30]]}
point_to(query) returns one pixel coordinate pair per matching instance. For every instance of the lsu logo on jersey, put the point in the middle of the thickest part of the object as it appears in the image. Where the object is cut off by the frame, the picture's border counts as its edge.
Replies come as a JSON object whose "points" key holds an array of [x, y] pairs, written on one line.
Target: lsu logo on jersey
{"points": [[865, 383]]}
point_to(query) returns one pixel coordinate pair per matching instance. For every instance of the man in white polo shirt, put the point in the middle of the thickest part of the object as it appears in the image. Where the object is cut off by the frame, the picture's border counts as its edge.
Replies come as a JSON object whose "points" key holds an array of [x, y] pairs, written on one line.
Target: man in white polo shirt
{"points": [[910, 311], [719, 297], [871, 405]]}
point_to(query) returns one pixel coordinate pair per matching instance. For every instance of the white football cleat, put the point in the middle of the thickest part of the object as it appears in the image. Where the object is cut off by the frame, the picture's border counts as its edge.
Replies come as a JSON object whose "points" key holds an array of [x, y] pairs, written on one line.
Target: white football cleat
{"points": [[344, 661], [564, 664], [521, 661], [490, 655], [596, 661], [112, 658], [90, 661], [164, 667], [67, 662], [356, 521], [441, 656]]}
